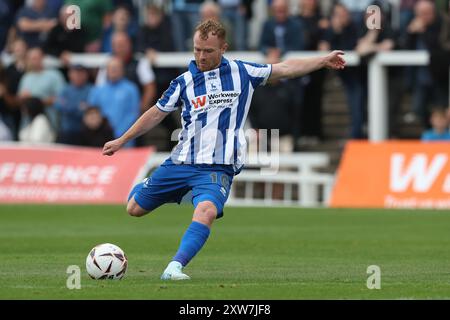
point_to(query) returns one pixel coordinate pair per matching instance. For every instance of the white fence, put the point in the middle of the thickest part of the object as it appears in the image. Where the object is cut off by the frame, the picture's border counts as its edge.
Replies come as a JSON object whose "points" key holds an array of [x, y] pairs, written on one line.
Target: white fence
{"points": [[296, 182]]}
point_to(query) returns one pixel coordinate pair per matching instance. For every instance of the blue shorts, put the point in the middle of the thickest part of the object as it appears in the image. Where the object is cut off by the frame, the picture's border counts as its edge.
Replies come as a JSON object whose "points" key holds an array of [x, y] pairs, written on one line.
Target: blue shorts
{"points": [[170, 182]]}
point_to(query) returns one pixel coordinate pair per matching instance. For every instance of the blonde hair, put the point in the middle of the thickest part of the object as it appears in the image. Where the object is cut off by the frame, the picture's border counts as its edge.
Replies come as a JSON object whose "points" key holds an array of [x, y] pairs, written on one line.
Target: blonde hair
{"points": [[211, 26]]}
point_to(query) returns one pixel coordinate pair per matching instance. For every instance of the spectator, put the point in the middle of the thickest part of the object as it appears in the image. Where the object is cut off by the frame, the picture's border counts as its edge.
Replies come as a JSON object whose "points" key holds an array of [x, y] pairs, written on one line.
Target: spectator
{"points": [[96, 16], [9, 86], [44, 84], [17, 68], [184, 18], [156, 34], [425, 33], [39, 128], [154, 37], [5, 129], [247, 9], [376, 40], [61, 41], [95, 130], [233, 14], [343, 34], [121, 22], [132, 6], [34, 22], [118, 99], [282, 31], [357, 9], [38, 82], [70, 105], [439, 126], [313, 23], [371, 42], [313, 28], [211, 10], [6, 21], [138, 71], [406, 15]]}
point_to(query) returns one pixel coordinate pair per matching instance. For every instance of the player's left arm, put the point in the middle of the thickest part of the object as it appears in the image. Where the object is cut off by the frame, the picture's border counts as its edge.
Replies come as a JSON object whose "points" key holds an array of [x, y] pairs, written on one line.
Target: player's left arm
{"points": [[293, 68]]}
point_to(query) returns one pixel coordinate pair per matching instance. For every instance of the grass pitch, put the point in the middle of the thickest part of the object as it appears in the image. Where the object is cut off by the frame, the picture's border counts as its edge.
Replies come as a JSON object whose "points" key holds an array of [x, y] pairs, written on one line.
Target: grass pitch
{"points": [[252, 253]]}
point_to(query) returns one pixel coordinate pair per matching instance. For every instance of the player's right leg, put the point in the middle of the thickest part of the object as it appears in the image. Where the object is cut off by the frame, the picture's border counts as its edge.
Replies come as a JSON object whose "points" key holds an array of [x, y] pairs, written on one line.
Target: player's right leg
{"points": [[133, 208], [166, 184]]}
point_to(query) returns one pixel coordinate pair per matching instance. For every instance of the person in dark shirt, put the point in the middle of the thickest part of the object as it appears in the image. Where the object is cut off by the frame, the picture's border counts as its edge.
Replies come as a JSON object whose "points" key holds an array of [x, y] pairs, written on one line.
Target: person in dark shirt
{"points": [[282, 34], [156, 36], [6, 21], [313, 27], [121, 22], [156, 33], [95, 129], [424, 33], [343, 33], [282, 31], [70, 105], [9, 86], [61, 41], [34, 22]]}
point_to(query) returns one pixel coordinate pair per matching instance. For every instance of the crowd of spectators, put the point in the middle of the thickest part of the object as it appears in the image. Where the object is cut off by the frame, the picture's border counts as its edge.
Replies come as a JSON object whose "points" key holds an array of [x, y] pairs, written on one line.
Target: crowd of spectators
{"points": [[85, 106]]}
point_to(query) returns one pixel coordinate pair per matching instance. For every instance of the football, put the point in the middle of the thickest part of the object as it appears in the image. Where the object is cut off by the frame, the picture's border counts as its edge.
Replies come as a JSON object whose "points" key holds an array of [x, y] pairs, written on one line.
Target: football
{"points": [[106, 261]]}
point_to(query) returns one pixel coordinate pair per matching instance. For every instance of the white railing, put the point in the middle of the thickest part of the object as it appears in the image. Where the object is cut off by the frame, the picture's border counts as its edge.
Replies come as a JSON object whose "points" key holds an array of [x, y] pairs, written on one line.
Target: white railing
{"points": [[297, 176], [378, 84], [296, 182]]}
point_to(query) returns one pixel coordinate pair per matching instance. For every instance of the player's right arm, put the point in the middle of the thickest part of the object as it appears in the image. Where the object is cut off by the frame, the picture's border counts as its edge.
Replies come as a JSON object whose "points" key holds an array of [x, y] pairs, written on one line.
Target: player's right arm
{"points": [[150, 119]]}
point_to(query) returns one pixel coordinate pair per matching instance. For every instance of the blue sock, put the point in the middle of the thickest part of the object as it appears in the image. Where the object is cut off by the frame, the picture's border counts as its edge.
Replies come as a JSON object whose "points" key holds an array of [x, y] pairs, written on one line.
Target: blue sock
{"points": [[135, 189], [193, 240]]}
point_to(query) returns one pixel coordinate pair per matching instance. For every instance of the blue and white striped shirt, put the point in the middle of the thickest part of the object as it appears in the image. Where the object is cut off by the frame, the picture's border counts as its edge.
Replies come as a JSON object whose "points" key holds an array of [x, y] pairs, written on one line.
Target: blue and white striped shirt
{"points": [[214, 106]]}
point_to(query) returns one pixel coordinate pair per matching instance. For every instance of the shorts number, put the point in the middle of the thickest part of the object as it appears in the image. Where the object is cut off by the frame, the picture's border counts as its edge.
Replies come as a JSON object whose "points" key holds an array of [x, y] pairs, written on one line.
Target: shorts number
{"points": [[223, 179]]}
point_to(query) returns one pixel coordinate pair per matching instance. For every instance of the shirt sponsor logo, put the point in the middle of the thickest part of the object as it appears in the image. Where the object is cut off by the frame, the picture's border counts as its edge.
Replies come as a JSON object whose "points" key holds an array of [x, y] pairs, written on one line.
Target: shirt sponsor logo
{"points": [[199, 102], [214, 100]]}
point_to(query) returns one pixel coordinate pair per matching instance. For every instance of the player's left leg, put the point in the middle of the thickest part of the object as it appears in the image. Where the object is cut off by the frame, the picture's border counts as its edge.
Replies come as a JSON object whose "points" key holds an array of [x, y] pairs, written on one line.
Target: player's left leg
{"points": [[193, 240], [210, 190]]}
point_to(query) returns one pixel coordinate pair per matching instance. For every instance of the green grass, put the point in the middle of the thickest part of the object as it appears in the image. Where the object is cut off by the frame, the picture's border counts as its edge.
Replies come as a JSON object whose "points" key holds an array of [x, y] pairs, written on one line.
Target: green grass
{"points": [[252, 253]]}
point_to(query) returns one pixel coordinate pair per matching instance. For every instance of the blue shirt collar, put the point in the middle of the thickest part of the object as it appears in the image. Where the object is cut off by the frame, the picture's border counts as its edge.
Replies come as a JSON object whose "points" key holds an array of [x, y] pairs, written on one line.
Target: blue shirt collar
{"points": [[193, 65]]}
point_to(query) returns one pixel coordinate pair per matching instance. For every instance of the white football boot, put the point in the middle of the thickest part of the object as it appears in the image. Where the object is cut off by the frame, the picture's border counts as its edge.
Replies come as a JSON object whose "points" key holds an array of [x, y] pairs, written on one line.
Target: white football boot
{"points": [[174, 272]]}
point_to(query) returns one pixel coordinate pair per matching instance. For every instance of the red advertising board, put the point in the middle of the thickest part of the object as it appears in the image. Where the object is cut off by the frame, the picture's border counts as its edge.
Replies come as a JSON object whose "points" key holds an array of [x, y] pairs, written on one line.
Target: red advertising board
{"points": [[67, 174]]}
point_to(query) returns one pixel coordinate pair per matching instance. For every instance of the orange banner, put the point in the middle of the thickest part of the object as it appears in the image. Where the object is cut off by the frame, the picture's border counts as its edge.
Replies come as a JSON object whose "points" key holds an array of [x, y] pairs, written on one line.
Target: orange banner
{"points": [[67, 174], [394, 175]]}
